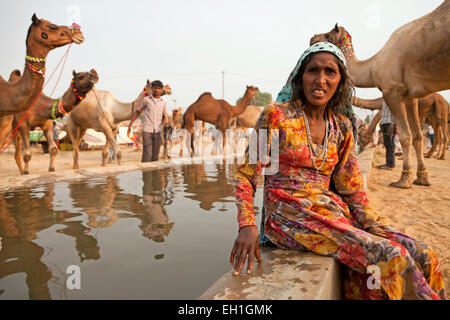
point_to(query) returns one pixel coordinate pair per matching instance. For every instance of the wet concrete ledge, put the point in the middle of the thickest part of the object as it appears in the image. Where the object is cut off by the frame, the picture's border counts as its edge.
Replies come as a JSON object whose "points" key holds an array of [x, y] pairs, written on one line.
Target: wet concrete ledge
{"points": [[287, 274]]}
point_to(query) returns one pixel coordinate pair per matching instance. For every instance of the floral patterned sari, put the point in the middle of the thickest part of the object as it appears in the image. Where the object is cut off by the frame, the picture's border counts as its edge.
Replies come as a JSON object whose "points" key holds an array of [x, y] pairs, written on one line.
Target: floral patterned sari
{"points": [[327, 211]]}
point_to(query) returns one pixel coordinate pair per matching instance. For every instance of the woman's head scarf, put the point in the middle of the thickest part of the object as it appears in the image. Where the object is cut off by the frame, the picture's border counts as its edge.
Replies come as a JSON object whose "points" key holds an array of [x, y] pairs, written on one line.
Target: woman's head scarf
{"points": [[286, 93]]}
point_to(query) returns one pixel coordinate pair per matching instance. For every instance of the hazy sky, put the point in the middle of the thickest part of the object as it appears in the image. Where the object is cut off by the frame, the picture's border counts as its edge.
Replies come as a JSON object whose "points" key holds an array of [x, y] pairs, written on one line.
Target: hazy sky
{"points": [[188, 43]]}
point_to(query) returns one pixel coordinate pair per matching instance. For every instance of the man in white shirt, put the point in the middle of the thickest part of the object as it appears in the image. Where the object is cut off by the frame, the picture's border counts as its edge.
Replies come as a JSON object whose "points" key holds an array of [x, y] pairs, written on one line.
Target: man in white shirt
{"points": [[155, 118]]}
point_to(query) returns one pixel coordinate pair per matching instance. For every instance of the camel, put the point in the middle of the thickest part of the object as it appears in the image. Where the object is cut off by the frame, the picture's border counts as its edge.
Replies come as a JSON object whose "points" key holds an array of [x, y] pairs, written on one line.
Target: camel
{"points": [[214, 111], [44, 112], [175, 122], [413, 63], [43, 36], [6, 121], [103, 112], [249, 117], [432, 109]]}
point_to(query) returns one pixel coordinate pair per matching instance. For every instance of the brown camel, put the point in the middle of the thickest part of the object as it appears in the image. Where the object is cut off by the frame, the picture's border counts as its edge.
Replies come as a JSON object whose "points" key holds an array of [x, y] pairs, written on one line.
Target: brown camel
{"points": [[432, 109], [43, 36], [413, 63], [44, 111], [217, 112], [103, 112], [6, 121]]}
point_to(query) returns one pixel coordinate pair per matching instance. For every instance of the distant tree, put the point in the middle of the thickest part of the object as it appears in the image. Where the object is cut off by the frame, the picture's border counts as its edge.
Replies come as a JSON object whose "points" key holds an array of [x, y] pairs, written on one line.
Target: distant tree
{"points": [[260, 99]]}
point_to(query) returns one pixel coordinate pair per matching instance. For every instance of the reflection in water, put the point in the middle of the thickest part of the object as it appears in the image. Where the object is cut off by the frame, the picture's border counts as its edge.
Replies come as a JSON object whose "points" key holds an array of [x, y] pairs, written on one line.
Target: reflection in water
{"points": [[97, 204], [155, 221], [22, 216]]}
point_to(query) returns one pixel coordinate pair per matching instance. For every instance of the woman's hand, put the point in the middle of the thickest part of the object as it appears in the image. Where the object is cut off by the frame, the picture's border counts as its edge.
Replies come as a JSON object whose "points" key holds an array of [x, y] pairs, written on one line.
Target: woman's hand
{"points": [[245, 244]]}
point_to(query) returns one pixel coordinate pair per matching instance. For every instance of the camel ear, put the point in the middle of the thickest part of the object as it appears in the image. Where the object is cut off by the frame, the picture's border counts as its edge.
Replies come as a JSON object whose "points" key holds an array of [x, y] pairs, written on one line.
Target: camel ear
{"points": [[336, 28], [148, 82], [94, 75], [74, 73], [35, 20]]}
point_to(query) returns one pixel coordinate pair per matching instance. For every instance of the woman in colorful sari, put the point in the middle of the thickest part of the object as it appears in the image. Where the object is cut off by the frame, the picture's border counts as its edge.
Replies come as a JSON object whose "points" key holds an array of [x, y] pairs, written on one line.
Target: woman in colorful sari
{"points": [[316, 200]]}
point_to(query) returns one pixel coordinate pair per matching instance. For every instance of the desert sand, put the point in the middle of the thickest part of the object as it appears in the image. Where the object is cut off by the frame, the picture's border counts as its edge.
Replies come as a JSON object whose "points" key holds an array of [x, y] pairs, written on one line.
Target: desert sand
{"points": [[421, 212]]}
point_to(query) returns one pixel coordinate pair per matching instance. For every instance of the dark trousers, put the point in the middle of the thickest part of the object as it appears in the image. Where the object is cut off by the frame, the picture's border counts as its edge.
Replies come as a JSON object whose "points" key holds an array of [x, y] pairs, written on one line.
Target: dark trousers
{"points": [[151, 145], [388, 138]]}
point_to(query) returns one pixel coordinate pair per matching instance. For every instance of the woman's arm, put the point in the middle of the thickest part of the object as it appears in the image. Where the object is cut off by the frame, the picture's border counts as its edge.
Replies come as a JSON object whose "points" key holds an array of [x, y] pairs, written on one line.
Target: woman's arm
{"points": [[349, 185], [246, 180]]}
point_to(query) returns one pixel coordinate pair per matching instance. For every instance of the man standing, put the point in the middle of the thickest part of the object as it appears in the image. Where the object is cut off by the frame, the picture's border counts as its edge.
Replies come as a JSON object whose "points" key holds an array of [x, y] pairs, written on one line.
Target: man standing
{"points": [[155, 118], [388, 128]]}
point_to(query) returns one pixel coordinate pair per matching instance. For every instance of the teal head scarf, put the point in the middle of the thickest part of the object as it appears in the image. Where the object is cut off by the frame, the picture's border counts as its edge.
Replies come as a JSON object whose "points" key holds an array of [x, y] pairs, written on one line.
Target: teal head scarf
{"points": [[286, 92]]}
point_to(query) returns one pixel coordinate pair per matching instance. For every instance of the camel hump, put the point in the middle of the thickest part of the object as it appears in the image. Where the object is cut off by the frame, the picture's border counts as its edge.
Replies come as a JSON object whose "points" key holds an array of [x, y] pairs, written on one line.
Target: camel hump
{"points": [[15, 75], [204, 95]]}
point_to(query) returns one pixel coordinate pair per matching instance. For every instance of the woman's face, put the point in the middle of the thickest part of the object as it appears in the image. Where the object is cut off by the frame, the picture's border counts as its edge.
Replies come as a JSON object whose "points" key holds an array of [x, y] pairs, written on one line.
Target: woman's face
{"points": [[321, 79]]}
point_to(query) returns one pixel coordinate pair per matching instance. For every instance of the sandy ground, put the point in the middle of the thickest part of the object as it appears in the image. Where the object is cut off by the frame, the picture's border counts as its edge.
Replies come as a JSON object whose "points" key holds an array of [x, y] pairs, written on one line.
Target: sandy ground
{"points": [[64, 160], [420, 212]]}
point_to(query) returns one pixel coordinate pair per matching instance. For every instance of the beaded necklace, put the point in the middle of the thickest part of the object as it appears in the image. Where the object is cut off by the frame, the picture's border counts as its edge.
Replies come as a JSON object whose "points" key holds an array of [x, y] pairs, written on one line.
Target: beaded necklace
{"points": [[346, 47], [313, 153], [40, 71], [33, 59], [79, 96], [60, 109], [37, 70]]}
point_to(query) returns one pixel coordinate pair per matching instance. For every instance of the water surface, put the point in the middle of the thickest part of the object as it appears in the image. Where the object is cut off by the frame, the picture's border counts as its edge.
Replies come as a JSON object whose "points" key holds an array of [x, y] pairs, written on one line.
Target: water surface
{"points": [[160, 234]]}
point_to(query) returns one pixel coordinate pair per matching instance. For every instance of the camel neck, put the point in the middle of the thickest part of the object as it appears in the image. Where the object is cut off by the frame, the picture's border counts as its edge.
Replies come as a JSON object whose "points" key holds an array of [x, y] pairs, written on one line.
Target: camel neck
{"points": [[69, 102], [359, 71], [37, 53], [242, 105]]}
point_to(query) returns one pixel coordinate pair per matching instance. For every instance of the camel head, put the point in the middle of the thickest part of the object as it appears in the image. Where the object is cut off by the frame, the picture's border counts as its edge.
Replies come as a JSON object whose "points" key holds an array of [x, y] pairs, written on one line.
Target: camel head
{"points": [[50, 36], [251, 91], [148, 89], [333, 36], [84, 81]]}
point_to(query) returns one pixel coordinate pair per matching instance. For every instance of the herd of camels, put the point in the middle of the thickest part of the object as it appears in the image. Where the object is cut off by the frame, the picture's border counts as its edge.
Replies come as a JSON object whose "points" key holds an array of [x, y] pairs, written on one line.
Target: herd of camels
{"points": [[409, 70]]}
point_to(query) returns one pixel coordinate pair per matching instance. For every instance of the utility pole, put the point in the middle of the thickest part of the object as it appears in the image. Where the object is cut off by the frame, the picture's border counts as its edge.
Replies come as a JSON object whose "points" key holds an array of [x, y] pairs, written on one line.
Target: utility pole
{"points": [[223, 85]]}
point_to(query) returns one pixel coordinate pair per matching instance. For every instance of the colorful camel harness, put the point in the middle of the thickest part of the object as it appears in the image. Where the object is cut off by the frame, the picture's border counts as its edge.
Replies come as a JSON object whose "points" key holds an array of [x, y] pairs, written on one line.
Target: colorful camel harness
{"points": [[60, 109], [79, 96]]}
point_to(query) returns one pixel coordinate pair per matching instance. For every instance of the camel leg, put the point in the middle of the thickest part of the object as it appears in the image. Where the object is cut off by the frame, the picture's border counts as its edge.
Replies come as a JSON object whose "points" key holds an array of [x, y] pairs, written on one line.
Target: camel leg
{"points": [[18, 152], [5, 127], [445, 138], [110, 141], [24, 131], [397, 108], [224, 143], [414, 124], [441, 142], [105, 153], [48, 130], [430, 152], [76, 134]]}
